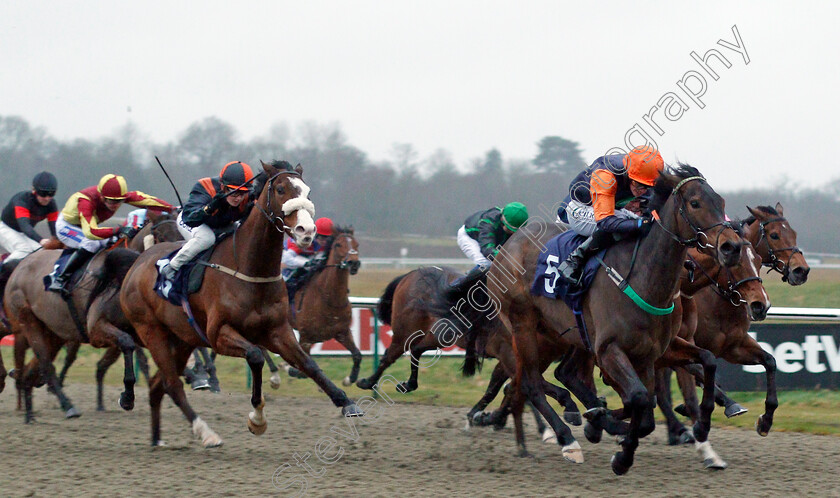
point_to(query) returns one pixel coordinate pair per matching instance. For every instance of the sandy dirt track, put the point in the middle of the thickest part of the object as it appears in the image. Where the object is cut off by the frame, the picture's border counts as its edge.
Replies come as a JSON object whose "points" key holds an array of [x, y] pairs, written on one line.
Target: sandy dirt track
{"points": [[410, 450]]}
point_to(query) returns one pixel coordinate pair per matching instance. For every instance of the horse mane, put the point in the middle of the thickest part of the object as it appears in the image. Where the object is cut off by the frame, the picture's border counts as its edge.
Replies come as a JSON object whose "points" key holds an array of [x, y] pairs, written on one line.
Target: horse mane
{"points": [[749, 220], [665, 183]]}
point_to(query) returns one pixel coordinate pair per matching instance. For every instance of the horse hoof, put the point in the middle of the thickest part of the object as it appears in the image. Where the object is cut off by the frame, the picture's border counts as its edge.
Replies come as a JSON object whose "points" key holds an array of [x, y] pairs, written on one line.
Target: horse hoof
{"points": [[274, 380], [686, 438], [617, 467], [364, 384], [573, 452], [762, 427], [405, 387], [549, 437], [593, 434], [573, 418], [715, 464], [346, 381], [352, 410], [467, 425], [13, 373], [100, 408], [72, 413], [593, 413], [523, 453], [213, 442], [257, 429], [682, 410], [126, 402], [734, 410], [159, 444], [200, 384]]}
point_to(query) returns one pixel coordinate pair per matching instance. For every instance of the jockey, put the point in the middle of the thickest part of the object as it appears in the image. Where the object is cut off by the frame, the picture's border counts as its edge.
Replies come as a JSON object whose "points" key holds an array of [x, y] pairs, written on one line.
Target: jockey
{"points": [[484, 232], [78, 225], [602, 200], [24, 211], [214, 205], [298, 262]]}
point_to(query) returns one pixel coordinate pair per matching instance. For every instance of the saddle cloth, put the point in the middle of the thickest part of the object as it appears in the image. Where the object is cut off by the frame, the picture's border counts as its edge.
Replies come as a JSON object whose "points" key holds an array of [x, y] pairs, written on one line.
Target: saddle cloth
{"points": [[547, 279]]}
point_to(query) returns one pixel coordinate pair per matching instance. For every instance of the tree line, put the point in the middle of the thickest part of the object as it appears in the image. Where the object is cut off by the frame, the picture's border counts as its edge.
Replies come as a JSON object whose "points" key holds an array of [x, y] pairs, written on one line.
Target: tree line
{"points": [[402, 194]]}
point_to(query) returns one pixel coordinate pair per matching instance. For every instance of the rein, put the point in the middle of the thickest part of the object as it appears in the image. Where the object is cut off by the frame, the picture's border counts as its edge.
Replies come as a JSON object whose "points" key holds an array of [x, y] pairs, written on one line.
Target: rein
{"points": [[730, 293]]}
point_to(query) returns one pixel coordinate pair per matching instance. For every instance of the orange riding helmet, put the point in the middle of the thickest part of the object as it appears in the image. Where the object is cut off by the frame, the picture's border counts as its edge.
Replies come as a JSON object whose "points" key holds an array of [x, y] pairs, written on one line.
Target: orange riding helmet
{"points": [[644, 164], [235, 174]]}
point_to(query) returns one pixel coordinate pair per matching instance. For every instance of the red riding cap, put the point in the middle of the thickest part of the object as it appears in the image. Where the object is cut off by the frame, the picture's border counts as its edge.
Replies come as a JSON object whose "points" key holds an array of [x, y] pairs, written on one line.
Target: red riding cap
{"points": [[324, 226], [112, 187]]}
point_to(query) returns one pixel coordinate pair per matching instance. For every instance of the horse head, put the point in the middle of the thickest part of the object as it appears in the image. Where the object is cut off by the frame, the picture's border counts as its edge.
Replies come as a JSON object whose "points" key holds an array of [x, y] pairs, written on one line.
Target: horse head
{"points": [[284, 201], [164, 226], [344, 250], [692, 213], [776, 244]]}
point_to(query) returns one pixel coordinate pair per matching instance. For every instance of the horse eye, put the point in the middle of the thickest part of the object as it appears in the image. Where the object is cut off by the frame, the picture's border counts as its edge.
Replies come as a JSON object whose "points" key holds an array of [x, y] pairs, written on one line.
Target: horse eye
{"points": [[281, 190], [774, 236], [695, 204]]}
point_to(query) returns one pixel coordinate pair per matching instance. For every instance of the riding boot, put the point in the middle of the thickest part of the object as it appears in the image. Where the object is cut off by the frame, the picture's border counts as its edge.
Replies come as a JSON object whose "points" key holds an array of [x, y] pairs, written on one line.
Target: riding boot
{"points": [[572, 268], [76, 261], [476, 271]]}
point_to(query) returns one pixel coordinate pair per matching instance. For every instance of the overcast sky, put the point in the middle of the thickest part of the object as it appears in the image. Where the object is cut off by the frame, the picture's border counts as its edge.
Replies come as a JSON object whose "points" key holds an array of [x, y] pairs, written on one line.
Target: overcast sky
{"points": [[463, 76]]}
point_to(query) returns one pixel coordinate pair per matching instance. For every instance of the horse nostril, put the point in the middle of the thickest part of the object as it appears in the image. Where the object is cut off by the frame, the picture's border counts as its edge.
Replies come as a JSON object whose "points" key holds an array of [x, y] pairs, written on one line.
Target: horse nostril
{"points": [[300, 230], [758, 310]]}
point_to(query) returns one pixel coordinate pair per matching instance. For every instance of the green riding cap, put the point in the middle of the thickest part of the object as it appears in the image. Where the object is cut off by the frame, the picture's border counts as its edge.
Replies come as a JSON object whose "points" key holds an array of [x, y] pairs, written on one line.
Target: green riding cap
{"points": [[514, 215]]}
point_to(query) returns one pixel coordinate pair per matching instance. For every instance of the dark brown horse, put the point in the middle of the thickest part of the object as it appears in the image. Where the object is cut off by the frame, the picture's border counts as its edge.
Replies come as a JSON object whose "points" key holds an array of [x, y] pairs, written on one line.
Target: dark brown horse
{"points": [[628, 342], [241, 305], [723, 329], [417, 329], [323, 304]]}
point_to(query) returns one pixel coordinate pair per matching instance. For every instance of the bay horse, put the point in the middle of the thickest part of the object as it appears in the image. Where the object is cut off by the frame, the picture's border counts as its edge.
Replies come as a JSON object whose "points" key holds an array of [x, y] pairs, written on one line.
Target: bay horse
{"points": [[159, 227], [241, 305], [628, 342], [45, 322], [723, 329], [323, 304]]}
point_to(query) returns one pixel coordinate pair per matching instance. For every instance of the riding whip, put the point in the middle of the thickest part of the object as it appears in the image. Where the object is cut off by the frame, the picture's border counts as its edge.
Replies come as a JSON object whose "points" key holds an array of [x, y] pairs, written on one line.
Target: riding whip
{"points": [[180, 203]]}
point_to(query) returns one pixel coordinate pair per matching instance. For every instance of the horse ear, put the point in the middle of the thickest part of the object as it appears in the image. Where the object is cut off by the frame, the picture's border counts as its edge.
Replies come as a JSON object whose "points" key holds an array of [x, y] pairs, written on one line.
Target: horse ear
{"points": [[780, 209], [755, 212], [299, 170], [265, 167]]}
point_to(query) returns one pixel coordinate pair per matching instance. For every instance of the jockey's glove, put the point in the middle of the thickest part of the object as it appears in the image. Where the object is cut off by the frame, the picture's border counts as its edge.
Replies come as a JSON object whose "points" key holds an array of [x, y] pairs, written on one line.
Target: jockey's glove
{"points": [[644, 225], [215, 203]]}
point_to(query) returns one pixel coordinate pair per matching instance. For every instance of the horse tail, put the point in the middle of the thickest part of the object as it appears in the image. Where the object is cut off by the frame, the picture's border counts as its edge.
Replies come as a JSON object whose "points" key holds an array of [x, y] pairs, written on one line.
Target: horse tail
{"points": [[113, 272], [383, 309], [443, 303], [5, 274]]}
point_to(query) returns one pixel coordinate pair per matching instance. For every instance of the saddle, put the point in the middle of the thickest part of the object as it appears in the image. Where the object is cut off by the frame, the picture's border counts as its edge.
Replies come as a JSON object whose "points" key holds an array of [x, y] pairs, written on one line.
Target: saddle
{"points": [[189, 278]]}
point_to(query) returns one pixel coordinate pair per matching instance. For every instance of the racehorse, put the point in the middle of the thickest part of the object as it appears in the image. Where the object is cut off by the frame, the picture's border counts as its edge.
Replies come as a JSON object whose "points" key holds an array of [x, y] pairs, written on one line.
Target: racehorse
{"points": [[44, 321], [323, 304], [723, 329], [416, 329], [627, 339], [235, 310]]}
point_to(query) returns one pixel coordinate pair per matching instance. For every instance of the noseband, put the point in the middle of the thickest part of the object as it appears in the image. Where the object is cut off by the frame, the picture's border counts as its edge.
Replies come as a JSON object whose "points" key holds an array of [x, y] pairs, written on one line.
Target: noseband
{"points": [[775, 261], [730, 292], [268, 212], [345, 263], [698, 232]]}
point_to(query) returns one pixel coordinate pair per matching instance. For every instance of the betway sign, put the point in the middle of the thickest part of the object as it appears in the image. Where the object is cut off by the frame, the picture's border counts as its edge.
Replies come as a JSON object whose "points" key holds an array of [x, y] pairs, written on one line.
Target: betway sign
{"points": [[807, 357]]}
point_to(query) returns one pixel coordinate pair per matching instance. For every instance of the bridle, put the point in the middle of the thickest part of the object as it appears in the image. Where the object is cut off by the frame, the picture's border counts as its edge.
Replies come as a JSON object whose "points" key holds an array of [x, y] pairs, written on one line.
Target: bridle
{"points": [[268, 211], [730, 292], [698, 232], [774, 262], [345, 263]]}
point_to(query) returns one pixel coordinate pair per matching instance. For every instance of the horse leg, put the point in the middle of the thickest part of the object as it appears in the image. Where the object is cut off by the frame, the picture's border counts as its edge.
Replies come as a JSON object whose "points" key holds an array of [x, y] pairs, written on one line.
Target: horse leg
{"points": [[142, 363], [282, 341], [45, 349], [210, 368], [731, 407], [294, 372], [637, 402], [345, 338], [497, 379], [391, 355], [543, 430], [681, 352], [677, 432], [111, 355], [197, 375], [570, 410], [750, 353], [170, 355], [72, 349], [103, 331], [411, 383], [575, 372], [275, 378], [685, 379]]}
